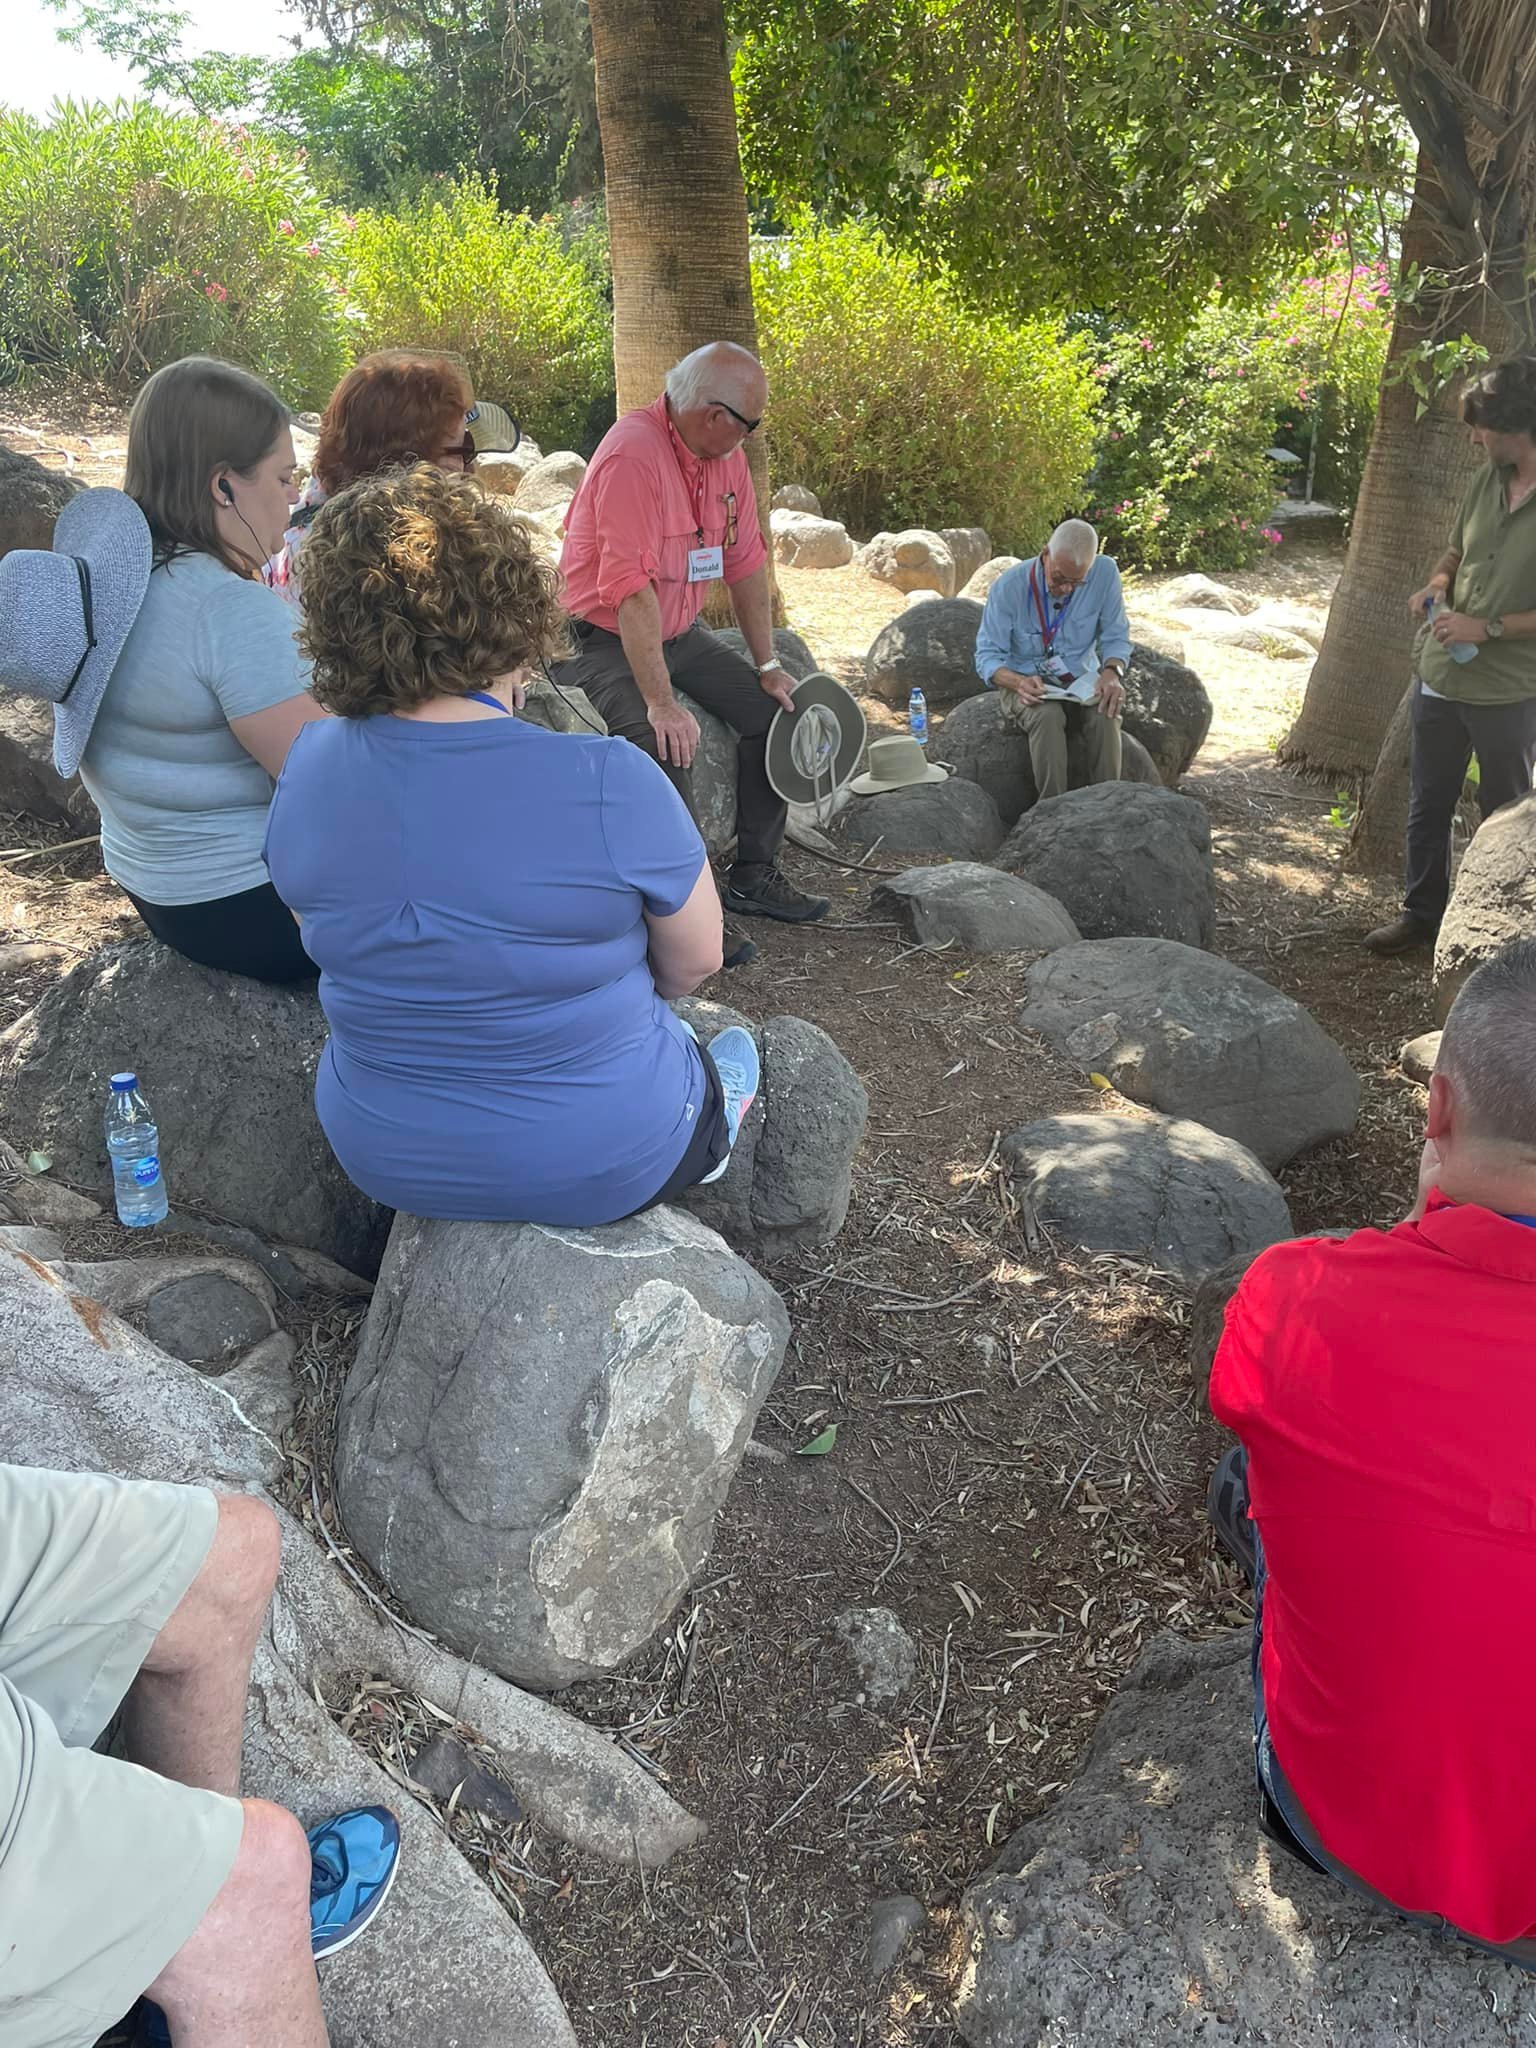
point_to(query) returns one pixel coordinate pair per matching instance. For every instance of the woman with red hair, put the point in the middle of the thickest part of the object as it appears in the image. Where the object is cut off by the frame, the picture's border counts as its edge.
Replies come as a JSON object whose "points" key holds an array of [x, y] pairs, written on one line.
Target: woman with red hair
{"points": [[397, 407]]}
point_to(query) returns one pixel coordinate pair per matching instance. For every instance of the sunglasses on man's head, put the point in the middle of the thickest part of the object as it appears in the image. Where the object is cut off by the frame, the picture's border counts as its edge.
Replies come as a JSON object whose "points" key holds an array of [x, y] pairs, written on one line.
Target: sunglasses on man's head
{"points": [[741, 420], [464, 449]]}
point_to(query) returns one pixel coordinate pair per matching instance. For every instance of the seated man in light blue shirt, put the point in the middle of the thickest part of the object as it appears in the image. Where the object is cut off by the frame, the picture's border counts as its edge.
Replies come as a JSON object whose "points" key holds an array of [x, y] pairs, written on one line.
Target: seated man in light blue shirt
{"points": [[1055, 637]]}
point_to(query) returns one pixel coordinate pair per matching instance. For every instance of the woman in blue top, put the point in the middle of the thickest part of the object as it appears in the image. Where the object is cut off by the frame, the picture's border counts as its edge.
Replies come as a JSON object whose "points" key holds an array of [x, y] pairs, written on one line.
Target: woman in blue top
{"points": [[497, 911]]}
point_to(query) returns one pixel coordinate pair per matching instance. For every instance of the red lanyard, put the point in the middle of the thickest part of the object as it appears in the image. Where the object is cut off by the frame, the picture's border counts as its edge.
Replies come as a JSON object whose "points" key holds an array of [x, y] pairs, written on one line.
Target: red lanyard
{"points": [[694, 487], [1049, 631]]}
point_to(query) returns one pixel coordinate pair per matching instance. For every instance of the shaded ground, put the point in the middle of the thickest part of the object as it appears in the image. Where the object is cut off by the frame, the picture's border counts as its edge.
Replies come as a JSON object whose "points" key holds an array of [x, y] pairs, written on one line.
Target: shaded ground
{"points": [[1020, 1456]]}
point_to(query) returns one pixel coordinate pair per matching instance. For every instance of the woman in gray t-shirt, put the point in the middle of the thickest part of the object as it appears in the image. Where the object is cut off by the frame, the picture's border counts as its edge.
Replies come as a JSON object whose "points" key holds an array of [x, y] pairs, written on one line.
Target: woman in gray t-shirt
{"points": [[210, 689]]}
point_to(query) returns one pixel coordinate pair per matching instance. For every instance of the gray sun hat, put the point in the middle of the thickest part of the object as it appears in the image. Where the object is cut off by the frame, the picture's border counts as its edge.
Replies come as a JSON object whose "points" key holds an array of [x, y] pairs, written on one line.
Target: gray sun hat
{"points": [[65, 612], [812, 755]]}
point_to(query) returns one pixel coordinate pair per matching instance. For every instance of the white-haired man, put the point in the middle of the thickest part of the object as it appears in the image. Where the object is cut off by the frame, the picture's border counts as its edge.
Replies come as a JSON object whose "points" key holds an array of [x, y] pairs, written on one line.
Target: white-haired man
{"points": [[665, 509], [1055, 637]]}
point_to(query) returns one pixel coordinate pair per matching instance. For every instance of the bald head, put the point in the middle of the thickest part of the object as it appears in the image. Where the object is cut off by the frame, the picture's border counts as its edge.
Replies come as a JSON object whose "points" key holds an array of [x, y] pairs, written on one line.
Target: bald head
{"points": [[1488, 1051], [720, 371]]}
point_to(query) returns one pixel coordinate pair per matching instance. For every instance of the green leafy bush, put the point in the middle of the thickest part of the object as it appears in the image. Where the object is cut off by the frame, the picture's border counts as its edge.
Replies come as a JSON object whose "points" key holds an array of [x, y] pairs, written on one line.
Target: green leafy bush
{"points": [[1183, 475], [130, 236], [899, 406], [452, 272]]}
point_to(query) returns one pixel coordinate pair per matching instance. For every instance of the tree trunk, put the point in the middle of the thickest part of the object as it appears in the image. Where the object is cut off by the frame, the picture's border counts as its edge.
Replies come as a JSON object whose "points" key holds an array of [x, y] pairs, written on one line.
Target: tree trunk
{"points": [[1415, 473], [1376, 840], [677, 208]]}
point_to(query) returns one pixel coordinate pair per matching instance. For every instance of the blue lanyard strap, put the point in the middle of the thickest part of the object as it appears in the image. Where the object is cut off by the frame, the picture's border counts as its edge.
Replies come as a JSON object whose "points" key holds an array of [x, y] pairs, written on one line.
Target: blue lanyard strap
{"points": [[1048, 628], [481, 697]]}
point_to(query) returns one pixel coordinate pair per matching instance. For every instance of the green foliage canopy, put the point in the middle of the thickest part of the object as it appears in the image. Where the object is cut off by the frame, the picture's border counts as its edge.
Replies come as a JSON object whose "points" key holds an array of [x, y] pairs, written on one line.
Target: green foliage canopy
{"points": [[901, 406], [452, 271], [131, 236], [1093, 156]]}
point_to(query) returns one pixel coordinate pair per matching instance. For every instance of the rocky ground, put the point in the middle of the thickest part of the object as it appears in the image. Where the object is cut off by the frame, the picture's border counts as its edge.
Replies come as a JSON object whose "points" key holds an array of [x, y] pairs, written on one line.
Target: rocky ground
{"points": [[1019, 1459]]}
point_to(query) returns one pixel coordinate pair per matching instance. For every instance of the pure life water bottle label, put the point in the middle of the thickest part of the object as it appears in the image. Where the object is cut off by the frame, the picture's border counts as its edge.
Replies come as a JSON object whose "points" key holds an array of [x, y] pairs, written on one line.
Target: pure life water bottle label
{"points": [[146, 1171]]}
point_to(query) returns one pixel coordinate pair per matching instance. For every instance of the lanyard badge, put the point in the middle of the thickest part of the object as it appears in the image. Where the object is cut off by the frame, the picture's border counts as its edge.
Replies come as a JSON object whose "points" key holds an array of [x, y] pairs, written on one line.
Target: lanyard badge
{"points": [[1049, 628]]}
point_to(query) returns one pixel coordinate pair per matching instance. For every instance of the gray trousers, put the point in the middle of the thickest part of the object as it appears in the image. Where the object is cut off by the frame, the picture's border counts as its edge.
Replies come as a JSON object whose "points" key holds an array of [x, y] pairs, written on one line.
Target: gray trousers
{"points": [[1046, 725]]}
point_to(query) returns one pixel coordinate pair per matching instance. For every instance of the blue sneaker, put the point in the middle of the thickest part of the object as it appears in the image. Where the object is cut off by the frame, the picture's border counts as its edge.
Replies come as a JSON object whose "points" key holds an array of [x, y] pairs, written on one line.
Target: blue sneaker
{"points": [[356, 1856], [734, 1053]]}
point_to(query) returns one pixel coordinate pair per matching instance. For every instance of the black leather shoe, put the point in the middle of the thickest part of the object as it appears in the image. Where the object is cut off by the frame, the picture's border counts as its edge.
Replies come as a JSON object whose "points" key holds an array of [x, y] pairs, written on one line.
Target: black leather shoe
{"points": [[765, 892], [1403, 935]]}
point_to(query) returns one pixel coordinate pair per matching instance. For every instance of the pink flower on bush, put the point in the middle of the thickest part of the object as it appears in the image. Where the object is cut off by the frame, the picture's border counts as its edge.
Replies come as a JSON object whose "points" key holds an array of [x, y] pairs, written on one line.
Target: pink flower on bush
{"points": [[1146, 342], [1270, 534], [1114, 437], [311, 248], [216, 292], [349, 221], [247, 174], [285, 227]]}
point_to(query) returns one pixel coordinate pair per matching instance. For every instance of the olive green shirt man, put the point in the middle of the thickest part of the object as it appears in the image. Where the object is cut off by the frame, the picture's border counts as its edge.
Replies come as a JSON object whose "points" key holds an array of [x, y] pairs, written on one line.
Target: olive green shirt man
{"points": [[1474, 689]]}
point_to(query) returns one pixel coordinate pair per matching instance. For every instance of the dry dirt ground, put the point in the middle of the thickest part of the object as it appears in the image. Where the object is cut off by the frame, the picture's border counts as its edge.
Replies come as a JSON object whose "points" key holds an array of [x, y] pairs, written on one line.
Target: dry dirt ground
{"points": [[1020, 1454]]}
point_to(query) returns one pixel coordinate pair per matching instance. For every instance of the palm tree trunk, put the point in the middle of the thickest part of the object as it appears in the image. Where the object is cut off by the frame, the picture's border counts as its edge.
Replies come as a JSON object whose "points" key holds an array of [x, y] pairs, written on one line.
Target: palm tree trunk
{"points": [[677, 208], [1415, 472]]}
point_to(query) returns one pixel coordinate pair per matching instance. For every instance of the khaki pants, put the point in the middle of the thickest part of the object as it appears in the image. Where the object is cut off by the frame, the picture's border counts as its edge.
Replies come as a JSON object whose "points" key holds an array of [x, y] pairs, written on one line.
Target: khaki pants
{"points": [[105, 1869], [1046, 725]]}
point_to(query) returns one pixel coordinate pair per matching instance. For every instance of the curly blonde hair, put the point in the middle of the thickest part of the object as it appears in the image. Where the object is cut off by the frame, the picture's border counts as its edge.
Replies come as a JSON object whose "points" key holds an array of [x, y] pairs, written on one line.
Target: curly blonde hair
{"points": [[417, 585]]}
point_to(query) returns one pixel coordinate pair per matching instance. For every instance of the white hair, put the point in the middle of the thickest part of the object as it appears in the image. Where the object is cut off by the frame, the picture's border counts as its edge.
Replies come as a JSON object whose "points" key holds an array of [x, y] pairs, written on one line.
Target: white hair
{"points": [[1074, 541], [695, 381]]}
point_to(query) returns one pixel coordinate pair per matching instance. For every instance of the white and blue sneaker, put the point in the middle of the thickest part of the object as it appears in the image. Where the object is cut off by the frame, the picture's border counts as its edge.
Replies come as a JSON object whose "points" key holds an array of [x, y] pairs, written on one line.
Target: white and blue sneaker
{"points": [[734, 1053], [355, 1857]]}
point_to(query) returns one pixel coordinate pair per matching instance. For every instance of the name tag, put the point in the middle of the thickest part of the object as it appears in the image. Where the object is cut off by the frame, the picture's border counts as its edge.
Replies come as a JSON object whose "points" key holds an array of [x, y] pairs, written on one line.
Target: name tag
{"points": [[1054, 669], [706, 565]]}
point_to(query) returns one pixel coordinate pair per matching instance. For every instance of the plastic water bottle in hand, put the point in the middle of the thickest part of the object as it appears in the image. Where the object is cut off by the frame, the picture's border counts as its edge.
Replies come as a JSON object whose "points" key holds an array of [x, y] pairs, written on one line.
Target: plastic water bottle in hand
{"points": [[133, 1144], [917, 717], [1459, 650]]}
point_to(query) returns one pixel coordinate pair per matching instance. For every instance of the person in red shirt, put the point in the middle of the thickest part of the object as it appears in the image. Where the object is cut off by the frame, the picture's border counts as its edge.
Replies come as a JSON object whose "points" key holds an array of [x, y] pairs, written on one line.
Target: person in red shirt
{"points": [[1384, 1502], [665, 509]]}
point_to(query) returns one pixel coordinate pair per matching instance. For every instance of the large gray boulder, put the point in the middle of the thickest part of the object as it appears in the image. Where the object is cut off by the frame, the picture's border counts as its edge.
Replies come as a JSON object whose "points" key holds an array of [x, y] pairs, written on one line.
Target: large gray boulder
{"points": [[80, 1391], [553, 481], [1167, 708], [981, 740], [979, 584], [1192, 1035], [559, 706], [540, 1427], [974, 906], [1127, 861], [953, 817], [1494, 900], [971, 547], [795, 498], [931, 647], [1168, 1191], [790, 1176], [914, 559], [803, 541], [31, 498], [228, 1065], [1144, 1906], [787, 645], [712, 775]]}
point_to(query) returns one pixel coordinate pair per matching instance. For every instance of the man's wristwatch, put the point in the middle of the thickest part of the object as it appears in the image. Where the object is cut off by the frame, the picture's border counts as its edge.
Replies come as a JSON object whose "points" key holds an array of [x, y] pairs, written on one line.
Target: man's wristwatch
{"points": [[773, 661], [1117, 665], [1495, 629]]}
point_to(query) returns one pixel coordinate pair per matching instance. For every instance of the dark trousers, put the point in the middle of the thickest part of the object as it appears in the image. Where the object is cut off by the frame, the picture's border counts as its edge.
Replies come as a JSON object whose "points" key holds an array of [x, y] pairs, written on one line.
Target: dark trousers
{"points": [[706, 670], [710, 1143], [1445, 737], [253, 933], [1280, 1812]]}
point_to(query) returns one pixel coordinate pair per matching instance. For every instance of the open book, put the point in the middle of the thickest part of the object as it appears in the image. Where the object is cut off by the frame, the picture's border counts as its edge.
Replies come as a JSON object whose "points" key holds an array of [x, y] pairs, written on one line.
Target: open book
{"points": [[1079, 691]]}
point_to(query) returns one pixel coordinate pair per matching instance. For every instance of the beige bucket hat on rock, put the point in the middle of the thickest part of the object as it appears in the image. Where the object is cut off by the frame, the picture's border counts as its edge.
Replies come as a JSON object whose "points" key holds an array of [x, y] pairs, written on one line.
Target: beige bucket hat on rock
{"points": [[896, 763]]}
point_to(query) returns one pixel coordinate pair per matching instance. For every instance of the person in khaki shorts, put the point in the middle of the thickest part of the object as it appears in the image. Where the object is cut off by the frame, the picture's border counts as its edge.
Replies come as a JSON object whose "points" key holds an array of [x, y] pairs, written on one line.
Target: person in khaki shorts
{"points": [[153, 1877]]}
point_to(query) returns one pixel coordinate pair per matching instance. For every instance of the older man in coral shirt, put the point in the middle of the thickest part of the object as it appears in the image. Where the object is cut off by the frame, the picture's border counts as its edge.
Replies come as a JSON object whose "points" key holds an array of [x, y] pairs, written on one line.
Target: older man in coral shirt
{"points": [[666, 509]]}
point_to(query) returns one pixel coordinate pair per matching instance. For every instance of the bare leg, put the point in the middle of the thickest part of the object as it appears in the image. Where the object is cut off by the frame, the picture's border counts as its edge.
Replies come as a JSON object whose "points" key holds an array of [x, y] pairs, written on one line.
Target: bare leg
{"points": [[245, 1979], [184, 1714]]}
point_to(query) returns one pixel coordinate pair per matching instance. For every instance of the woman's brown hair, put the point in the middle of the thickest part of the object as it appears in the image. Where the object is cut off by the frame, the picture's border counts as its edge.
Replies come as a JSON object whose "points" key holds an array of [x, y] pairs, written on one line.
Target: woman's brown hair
{"points": [[192, 419], [417, 585], [398, 406]]}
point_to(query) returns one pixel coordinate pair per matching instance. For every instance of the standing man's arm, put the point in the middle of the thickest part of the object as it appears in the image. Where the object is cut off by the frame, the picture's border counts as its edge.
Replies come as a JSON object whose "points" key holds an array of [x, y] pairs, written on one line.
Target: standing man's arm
{"points": [[752, 602], [1439, 583], [676, 730]]}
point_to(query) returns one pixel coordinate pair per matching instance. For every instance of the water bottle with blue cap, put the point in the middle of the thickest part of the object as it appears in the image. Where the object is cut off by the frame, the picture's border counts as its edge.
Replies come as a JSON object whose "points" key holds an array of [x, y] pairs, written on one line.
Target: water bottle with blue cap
{"points": [[133, 1145], [917, 717]]}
